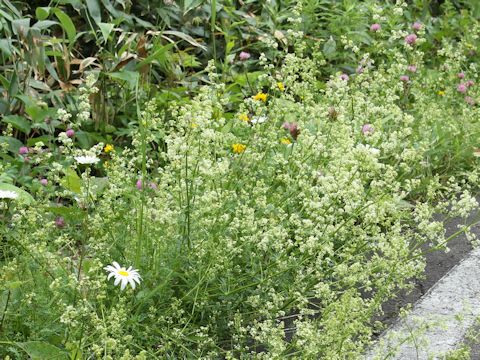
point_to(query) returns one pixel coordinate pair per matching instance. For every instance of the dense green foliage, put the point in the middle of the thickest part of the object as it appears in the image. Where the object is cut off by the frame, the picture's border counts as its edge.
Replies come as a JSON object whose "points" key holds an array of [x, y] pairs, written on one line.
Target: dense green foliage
{"points": [[272, 169]]}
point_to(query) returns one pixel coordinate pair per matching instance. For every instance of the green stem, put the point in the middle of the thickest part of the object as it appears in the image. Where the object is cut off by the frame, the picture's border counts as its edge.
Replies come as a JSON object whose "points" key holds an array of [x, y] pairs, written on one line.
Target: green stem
{"points": [[5, 310], [213, 16], [143, 179]]}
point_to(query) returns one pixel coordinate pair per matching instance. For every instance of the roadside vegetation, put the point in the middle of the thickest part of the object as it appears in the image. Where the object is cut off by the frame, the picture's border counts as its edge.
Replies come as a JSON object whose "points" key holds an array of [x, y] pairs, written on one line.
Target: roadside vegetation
{"points": [[226, 179]]}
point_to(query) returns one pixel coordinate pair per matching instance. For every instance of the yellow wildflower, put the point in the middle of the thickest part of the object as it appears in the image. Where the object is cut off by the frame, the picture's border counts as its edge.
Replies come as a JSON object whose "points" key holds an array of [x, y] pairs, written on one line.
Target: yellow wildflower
{"points": [[285, 141], [441, 93], [260, 97], [193, 125], [238, 148], [243, 117], [281, 87], [108, 148]]}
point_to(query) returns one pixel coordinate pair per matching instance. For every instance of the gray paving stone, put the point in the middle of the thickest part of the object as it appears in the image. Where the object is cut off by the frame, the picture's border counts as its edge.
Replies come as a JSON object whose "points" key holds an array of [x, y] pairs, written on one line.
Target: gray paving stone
{"points": [[440, 319]]}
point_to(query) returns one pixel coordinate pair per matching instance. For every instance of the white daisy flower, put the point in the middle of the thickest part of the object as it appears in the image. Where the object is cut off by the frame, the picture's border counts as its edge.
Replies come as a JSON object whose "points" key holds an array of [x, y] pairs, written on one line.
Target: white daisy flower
{"points": [[7, 194], [258, 120], [368, 148], [89, 159], [123, 275]]}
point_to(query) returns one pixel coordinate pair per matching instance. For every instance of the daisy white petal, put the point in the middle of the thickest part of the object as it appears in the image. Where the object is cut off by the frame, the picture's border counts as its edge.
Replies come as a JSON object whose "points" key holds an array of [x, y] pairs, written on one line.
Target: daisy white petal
{"points": [[124, 283], [132, 283], [88, 159], [123, 275], [7, 194]]}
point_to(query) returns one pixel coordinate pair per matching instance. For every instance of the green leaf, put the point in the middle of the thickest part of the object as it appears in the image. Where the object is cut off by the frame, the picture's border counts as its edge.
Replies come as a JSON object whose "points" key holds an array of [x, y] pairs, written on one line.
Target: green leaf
{"points": [[185, 37], [106, 29], [94, 10], [229, 47], [6, 46], [84, 139], [190, 4], [22, 194], [13, 144], [67, 25], [46, 139], [39, 350], [44, 24], [98, 184], [252, 77], [131, 77], [160, 54], [21, 26], [12, 285], [42, 12], [329, 48], [69, 213], [72, 181], [19, 123]]}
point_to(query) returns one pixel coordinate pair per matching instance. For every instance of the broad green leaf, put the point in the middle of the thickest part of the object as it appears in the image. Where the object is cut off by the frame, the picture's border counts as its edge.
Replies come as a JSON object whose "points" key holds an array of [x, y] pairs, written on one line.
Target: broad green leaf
{"points": [[131, 77], [329, 48], [18, 122], [40, 85], [13, 144], [22, 194], [252, 77], [44, 24], [84, 139], [42, 12], [109, 128], [94, 10], [44, 138], [39, 350], [67, 25], [106, 29], [69, 213], [6, 46], [72, 181], [21, 26]]}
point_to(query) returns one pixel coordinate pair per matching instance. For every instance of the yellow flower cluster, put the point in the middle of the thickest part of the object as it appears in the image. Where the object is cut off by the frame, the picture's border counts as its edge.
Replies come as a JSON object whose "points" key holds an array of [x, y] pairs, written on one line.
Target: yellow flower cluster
{"points": [[238, 148], [108, 148], [280, 86], [285, 141], [244, 117], [260, 97]]}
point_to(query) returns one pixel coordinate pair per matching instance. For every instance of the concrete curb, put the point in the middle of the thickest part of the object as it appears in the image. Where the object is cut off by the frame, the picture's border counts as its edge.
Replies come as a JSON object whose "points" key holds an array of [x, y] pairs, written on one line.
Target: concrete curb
{"points": [[439, 320]]}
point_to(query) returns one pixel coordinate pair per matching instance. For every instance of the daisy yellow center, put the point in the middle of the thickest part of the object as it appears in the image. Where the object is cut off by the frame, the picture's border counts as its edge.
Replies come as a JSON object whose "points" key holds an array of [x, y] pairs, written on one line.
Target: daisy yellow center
{"points": [[123, 273]]}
